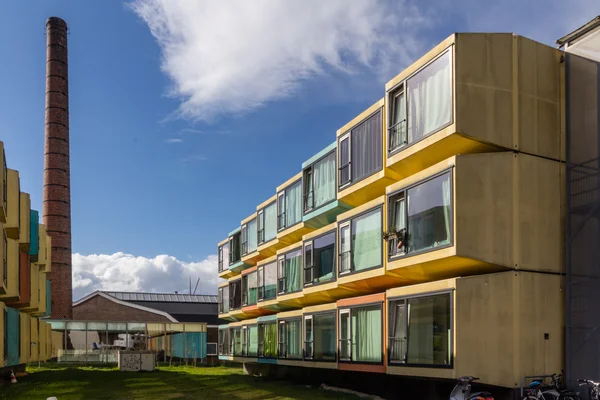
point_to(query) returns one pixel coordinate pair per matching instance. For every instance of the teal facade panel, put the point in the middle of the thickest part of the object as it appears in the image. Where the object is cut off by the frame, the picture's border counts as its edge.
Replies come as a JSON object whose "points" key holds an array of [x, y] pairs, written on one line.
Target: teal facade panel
{"points": [[319, 155], [34, 238], [12, 337], [188, 345]]}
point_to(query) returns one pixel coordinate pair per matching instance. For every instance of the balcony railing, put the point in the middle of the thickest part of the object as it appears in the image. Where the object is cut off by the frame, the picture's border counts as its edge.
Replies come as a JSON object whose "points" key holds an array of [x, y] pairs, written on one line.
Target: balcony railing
{"points": [[344, 174], [345, 349], [244, 248], [281, 285], [309, 201], [397, 135], [220, 266], [345, 262], [281, 221], [261, 236], [397, 349], [308, 349]]}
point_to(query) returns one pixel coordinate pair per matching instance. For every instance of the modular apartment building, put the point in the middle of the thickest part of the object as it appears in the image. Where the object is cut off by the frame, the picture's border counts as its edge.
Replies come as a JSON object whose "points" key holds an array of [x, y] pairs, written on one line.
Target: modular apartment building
{"points": [[24, 288], [427, 241]]}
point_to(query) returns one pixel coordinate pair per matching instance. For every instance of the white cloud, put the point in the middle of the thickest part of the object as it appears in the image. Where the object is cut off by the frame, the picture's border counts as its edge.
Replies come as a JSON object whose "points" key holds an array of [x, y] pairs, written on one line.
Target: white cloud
{"points": [[174, 140], [125, 272], [234, 56]]}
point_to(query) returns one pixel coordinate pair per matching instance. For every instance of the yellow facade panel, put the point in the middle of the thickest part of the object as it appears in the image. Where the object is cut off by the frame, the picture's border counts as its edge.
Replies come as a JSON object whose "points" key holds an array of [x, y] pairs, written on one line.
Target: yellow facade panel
{"points": [[42, 306], [48, 267], [12, 276], [25, 216], [35, 340], [2, 329], [43, 242], [12, 205], [25, 335], [3, 183], [58, 343]]}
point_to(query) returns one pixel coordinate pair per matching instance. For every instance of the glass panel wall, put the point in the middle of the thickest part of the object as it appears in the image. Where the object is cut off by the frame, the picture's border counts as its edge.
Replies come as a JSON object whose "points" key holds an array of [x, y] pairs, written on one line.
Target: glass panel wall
{"points": [[320, 337], [289, 204], [250, 341], [267, 340], [367, 150], [235, 248], [367, 334], [270, 222], [235, 294], [267, 281], [252, 236], [249, 287], [319, 183], [290, 272], [235, 337], [320, 259], [420, 331], [290, 339], [223, 342], [365, 246]]}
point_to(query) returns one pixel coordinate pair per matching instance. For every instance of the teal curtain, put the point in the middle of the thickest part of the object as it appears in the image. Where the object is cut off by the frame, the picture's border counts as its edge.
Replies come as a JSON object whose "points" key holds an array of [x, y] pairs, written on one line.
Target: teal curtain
{"points": [[294, 339], [366, 241], [293, 204], [252, 288], [293, 271], [252, 236], [270, 340], [367, 334], [324, 180], [270, 222], [253, 342]]}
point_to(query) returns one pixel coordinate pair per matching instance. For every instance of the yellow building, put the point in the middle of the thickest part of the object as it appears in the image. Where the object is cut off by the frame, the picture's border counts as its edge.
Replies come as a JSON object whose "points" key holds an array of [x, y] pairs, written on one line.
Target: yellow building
{"points": [[428, 240]]}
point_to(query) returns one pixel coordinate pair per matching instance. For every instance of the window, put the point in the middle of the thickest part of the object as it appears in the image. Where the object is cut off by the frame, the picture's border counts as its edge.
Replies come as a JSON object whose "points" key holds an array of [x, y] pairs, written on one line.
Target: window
{"points": [[244, 240], [220, 258], [267, 340], [260, 229], [252, 240], [422, 216], [360, 242], [361, 334], [361, 151], [319, 183], [290, 272], [420, 330], [267, 281], [249, 289], [289, 206], [235, 338], [235, 294], [319, 259], [223, 342], [319, 337], [5, 185], [290, 339], [250, 341], [397, 125], [5, 259], [235, 248], [267, 223]]}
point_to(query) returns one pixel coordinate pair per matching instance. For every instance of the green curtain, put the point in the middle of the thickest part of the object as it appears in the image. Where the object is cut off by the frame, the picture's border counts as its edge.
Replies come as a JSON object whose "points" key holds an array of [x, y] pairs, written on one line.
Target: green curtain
{"points": [[294, 339], [293, 204], [252, 236], [293, 271], [270, 222], [270, 340], [366, 241], [271, 280], [324, 178], [253, 342], [367, 334]]}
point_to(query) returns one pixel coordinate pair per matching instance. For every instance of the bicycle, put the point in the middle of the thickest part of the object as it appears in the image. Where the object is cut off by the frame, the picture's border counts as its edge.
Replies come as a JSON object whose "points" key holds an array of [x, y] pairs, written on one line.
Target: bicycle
{"points": [[593, 388], [555, 391]]}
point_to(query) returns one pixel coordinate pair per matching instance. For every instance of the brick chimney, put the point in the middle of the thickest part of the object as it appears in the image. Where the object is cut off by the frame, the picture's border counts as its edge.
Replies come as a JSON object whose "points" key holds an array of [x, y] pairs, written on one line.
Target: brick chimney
{"points": [[57, 181]]}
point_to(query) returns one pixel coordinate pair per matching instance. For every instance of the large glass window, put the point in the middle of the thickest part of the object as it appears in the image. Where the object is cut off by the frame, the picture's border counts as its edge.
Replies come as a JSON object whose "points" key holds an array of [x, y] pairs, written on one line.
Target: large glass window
{"points": [[430, 98], [235, 338], [289, 206], [267, 340], [223, 342], [252, 236], [319, 337], [421, 216], [267, 281], [250, 341], [249, 289], [361, 334], [420, 330], [361, 150], [360, 242], [290, 339], [235, 294], [319, 183], [235, 248], [319, 259], [290, 272], [267, 224]]}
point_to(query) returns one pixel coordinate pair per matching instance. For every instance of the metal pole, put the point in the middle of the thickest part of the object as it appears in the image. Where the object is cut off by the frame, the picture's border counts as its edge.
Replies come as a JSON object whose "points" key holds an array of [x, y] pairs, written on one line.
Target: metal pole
{"points": [[568, 361]]}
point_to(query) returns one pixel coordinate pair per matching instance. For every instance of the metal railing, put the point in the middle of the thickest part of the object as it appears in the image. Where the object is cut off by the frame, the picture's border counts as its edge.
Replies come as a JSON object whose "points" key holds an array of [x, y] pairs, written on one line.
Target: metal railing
{"points": [[281, 221], [345, 262], [344, 174], [397, 135], [397, 349], [309, 201], [345, 349]]}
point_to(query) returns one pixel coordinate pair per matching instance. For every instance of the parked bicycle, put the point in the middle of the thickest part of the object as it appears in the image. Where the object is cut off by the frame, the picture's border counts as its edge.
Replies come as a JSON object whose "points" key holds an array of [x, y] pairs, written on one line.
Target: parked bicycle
{"points": [[462, 390], [556, 391], [593, 388]]}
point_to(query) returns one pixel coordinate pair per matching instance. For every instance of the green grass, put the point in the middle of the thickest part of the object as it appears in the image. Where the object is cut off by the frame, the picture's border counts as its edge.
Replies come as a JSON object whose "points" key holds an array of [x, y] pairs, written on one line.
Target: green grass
{"points": [[75, 383]]}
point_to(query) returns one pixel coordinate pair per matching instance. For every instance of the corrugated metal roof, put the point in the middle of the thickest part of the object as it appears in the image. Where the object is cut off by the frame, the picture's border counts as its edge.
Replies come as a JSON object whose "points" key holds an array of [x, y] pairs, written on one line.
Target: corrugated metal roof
{"points": [[164, 297]]}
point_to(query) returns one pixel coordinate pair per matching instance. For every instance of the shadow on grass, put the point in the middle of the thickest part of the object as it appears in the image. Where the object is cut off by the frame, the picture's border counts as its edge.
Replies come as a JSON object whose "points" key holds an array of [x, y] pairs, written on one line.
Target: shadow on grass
{"points": [[78, 383]]}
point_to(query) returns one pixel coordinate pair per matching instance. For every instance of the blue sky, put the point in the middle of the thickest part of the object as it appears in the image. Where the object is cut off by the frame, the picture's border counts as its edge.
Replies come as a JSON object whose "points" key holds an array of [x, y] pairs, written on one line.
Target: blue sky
{"points": [[186, 115]]}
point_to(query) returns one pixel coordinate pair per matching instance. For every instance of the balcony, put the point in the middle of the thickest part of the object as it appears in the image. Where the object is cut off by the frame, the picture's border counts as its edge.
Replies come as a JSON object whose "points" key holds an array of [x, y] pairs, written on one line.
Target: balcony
{"points": [[236, 264], [458, 320], [223, 260], [251, 293], [319, 177], [45, 246], [267, 284], [476, 213], [362, 174], [266, 223], [289, 277], [474, 93], [250, 254], [24, 222], [13, 204], [11, 271], [290, 226]]}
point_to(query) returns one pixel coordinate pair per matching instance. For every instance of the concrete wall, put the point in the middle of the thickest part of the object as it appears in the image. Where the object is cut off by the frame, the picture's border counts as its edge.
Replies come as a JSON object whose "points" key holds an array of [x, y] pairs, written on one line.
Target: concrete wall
{"points": [[100, 309]]}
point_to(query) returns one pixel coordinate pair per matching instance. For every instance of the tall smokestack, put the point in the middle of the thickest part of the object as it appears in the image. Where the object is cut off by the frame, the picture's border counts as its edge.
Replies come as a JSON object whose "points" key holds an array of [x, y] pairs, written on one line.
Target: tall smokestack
{"points": [[57, 181]]}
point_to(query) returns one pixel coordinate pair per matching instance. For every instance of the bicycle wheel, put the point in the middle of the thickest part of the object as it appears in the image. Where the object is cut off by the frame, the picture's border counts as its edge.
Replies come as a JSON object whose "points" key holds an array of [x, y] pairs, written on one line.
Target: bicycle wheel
{"points": [[529, 397]]}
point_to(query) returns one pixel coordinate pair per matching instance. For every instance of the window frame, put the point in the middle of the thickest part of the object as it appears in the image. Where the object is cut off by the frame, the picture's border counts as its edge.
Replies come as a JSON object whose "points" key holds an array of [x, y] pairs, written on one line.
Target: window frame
{"points": [[221, 343], [264, 225], [220, 300], [311, 168], [232, 294], [405, 298], [281, 280], [260, 222], [394, 94], [244, 240], [348, 223], [260, 275], [310, 242], [404, 191], [304, 341], [340, 186], [232, 335], [245, 289], [261, 344], [232, 240], [282, 339], [348, 310], [220, 262], [280, 214], [450, 50], [246, 340]]}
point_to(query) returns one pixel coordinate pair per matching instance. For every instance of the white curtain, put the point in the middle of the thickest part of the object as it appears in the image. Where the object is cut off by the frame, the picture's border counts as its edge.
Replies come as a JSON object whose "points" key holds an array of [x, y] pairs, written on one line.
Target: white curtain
{"points": [[226, 256], [366, 241], [446, 204], [270, 222], [252, 235], [430, 98], [293, 204], [324, 180], [399, 215]]}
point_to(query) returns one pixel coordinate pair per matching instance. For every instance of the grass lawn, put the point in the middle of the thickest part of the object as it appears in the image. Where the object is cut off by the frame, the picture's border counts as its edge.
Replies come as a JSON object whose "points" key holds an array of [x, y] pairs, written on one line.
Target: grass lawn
{"points": [[74, 383]]}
